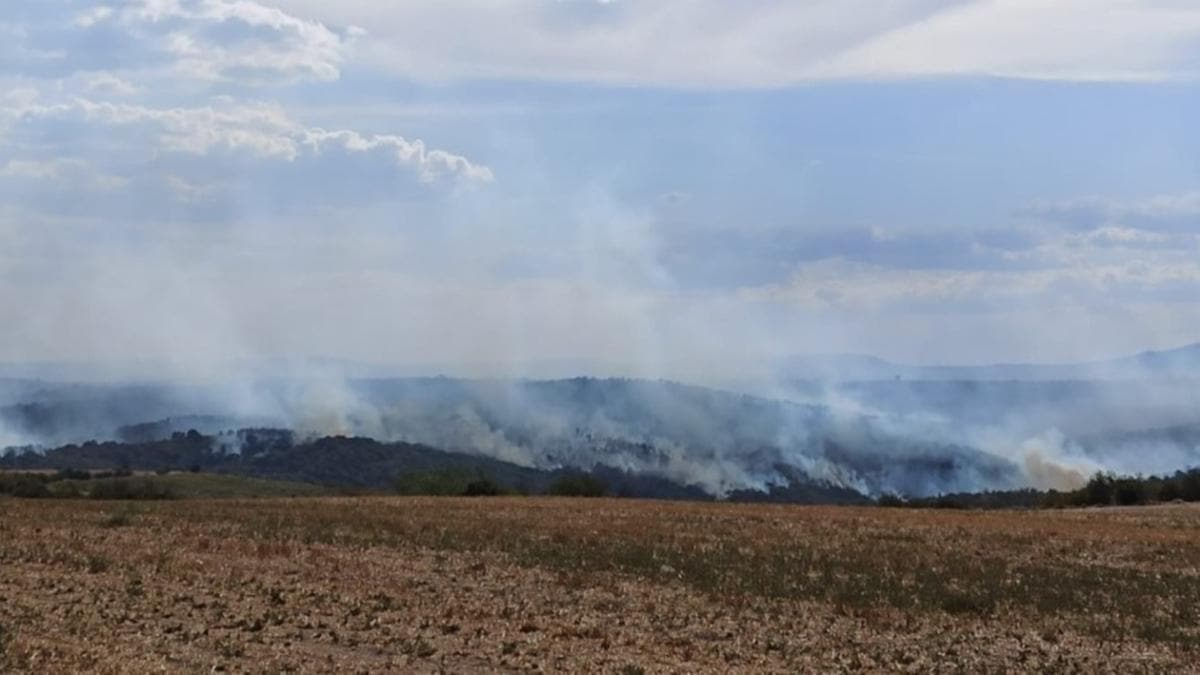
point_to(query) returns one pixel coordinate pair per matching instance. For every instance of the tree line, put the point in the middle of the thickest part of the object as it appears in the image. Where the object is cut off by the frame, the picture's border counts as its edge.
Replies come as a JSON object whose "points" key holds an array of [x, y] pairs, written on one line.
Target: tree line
{"points": [[1102, 489]]}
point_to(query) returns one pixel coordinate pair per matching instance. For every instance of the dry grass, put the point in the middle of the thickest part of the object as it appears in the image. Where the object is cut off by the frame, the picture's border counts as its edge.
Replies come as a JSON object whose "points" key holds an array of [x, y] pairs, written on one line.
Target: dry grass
{"points": [[378, 584]]}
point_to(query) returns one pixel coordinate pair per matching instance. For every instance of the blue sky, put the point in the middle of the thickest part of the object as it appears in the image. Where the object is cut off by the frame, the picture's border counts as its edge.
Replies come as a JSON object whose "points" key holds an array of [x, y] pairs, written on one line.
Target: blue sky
{"points": [[661, 188]]}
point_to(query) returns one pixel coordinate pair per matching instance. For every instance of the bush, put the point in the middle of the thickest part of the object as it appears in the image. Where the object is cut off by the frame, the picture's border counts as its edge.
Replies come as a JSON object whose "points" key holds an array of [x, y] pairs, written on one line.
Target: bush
{"points": [[482, 488], [1053, 499], [1104, 489], [581, 485], [440, 483], [1189, 485], [1130, 491], [66, 489], [1098, 491], [947, 502], [1170, 491], [890, 500], [24, 485], [452, 482], [120, 518], [31, 490], [129, 488], [115, 473], [70, 474], [97, 564]]}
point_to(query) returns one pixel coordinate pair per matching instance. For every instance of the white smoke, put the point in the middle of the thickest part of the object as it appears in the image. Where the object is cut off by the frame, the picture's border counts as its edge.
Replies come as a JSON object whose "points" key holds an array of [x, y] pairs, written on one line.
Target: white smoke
{"points": [[1052, 462]]}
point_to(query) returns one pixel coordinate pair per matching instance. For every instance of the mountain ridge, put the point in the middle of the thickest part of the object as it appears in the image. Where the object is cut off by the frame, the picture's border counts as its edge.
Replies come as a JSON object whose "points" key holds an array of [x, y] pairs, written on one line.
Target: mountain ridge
{"points": [[1181, 361]]}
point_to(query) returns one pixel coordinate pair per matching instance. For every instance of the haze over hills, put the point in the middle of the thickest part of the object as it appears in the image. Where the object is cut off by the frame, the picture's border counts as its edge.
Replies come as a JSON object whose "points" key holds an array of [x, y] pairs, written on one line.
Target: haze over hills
{"points": [[854, 423], [1181, 362]]}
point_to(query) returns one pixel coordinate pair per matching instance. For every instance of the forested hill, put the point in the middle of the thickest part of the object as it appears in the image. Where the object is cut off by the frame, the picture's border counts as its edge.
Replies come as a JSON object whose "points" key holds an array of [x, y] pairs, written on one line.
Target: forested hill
{"points": [[366, 463]]}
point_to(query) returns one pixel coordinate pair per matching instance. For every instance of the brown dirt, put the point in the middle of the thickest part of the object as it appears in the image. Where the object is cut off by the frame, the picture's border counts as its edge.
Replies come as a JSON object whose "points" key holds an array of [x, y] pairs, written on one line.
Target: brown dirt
{"points": [[488, 585]]}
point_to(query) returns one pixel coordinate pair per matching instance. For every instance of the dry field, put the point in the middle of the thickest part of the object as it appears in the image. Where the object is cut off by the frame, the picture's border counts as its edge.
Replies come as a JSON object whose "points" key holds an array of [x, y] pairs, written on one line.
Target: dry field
{"points": [[493, 585]]}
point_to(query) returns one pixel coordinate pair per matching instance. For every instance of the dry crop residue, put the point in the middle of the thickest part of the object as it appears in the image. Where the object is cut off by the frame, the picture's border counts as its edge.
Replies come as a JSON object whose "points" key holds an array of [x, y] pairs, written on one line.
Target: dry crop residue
{"points": [[498, 584]]}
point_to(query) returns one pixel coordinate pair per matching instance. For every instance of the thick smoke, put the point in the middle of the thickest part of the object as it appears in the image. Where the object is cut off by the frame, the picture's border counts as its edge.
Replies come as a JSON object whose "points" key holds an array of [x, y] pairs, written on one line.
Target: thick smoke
{"points": [[1046, 473], [170, 236], [919, 438]]}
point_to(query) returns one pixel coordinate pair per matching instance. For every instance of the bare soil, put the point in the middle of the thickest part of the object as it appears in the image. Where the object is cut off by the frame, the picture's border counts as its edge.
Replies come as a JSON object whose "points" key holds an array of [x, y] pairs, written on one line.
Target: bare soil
{"points": [[380, 584]]}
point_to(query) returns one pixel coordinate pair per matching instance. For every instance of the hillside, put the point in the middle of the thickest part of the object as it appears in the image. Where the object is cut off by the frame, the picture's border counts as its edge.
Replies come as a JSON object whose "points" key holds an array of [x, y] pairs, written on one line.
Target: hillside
{"points": [[340, 462], [914, 437]]}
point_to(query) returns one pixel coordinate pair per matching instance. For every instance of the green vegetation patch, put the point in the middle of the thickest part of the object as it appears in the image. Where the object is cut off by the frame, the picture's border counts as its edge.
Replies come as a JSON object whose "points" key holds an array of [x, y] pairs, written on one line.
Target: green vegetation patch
{"points": [[126, 486], [580, 485], [216, 486], [450, 482]]}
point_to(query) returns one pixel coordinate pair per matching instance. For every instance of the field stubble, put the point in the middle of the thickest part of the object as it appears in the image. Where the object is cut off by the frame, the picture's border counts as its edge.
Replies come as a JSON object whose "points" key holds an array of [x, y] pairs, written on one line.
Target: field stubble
{"points": [[480, 585]]}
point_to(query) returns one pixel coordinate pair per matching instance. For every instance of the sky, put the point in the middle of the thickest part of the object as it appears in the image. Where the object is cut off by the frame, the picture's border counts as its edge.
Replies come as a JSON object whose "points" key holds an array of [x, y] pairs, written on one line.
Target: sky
{"points": [[670, 188]]}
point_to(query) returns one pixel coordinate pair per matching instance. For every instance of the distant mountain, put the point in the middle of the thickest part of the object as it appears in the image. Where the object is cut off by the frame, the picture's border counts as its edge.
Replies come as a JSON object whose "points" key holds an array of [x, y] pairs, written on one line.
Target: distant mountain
{"points": [[859, 423], [1172, 361], [719, 441], [1183, 362]]}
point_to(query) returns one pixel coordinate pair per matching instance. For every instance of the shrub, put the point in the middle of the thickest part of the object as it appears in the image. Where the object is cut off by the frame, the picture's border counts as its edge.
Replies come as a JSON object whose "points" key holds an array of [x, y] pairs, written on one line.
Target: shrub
{"points": [[452, 482], [947, 502], [580, 485], [117, 519], [66, 489], [1098, 491], [1129, 491], [26, 486], [890, 500], [97, 564], [1053, 499], [1107, 488], [70, 474], [129, 488], [964, 603], [482, 488], [1170, 491], [439, 483], [1189, 485]]}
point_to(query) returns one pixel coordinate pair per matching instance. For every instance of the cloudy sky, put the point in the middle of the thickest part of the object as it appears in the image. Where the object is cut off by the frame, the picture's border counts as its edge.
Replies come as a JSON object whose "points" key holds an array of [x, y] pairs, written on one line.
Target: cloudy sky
{"points": [[654, 187]]}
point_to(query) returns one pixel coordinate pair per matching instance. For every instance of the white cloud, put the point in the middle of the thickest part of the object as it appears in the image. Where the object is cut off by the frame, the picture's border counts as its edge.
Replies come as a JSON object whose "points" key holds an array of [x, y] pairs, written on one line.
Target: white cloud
{"points": [[1130, 40], [108, 83], [258, 130], [16, 46], [93, 16], [238, 40], [38, 169], [1122, 236], [714, 43], [675, 43], [431, 164], [261, 130], [62, 170], [1178, 212], [187, 191], [1170, 206], [1073, 278]]}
